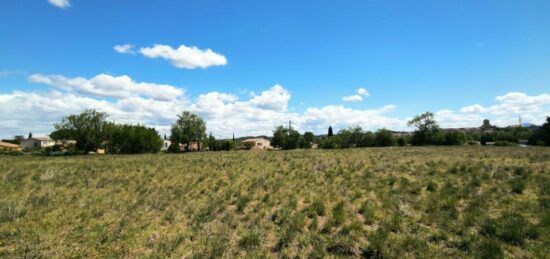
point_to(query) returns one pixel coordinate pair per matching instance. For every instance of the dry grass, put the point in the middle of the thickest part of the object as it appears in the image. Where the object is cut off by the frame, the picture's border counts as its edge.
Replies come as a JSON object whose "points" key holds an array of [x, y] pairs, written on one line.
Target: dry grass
{"points": [[385, 202]]}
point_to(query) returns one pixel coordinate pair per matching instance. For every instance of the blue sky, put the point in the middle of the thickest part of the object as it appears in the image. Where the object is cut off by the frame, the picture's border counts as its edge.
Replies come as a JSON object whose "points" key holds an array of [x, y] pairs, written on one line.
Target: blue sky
{"points": [[411, 56]]}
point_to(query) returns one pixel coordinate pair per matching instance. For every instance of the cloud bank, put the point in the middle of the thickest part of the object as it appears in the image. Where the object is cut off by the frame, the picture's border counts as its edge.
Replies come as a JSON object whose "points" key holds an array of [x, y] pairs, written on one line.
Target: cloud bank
{"points": [[157, 105]]}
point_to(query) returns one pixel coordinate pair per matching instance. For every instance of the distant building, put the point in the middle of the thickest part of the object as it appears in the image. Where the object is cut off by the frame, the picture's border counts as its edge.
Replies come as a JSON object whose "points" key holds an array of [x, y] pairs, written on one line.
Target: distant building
{"points": [[193, 146], [258, 143], [37, 143], [9, 146], [165, 145]]}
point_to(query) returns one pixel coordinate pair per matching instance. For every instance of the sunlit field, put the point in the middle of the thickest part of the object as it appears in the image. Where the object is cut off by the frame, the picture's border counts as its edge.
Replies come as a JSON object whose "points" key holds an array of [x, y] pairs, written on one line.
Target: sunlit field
{"points": [[374, 202]]}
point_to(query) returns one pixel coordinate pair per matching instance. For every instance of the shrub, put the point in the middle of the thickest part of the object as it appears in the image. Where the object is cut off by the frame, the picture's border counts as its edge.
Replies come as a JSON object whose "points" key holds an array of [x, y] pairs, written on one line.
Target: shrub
{"points": [[513, 228], [338, 214], [317, 208], [489, 249], [368, 212], [517, 186], [250, 240]]}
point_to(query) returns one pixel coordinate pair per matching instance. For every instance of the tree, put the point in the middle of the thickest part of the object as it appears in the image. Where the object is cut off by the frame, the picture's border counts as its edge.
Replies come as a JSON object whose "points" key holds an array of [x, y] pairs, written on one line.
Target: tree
{"points": [[188, 128], [86, 128], [309, 137], [279, 137], [427, 131], [454, 138], [30, 134], [385, 138], [486, 125], [286, 138], [351, 137], [330, 131], [542, 135], [132, 139]]}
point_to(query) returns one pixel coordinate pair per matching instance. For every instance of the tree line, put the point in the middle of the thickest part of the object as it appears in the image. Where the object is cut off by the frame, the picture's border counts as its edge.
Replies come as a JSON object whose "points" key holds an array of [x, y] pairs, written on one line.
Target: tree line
{"points": [[91, 131]]}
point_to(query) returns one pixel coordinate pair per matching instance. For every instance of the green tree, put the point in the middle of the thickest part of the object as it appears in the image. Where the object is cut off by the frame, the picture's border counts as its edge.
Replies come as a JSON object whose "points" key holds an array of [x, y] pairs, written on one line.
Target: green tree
{"points": [[330, 131], [427, 131], [486, 124], [86, 128], [188, 128], [309, 137], [30, 134], [351, 137], [541, 136], [132, 139], [279, 137], [385, 138]]}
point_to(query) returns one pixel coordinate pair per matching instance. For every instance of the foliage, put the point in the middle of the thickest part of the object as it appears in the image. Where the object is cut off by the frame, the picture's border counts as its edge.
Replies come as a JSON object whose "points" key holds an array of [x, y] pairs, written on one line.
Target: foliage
{"points": [[188, 128], [385, 138], [87, 128], [427, 131], [287, 138], [132, 139], [542, 135]]}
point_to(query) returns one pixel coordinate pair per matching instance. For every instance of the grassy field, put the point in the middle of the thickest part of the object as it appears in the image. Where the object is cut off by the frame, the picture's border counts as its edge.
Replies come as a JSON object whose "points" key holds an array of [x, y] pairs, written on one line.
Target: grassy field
{"points": [[375, 202]]}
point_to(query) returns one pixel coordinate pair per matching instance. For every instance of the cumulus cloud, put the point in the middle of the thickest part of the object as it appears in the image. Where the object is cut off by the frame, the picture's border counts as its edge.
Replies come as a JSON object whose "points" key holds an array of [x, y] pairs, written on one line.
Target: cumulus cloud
{"points": [[127, 101], [124, 49], [60, 3], [184, 56], [104, 85], [506, 111], [356, 97]]}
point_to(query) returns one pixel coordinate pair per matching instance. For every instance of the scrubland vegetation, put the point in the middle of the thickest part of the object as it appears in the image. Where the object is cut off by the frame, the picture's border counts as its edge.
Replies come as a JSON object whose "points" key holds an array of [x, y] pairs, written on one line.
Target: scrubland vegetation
{"points": [[398, 202]]}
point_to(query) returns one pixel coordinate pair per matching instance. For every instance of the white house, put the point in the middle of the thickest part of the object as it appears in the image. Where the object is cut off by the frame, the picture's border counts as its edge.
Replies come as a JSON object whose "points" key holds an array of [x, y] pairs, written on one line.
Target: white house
{"points": [[165, 145], [37, 143]]}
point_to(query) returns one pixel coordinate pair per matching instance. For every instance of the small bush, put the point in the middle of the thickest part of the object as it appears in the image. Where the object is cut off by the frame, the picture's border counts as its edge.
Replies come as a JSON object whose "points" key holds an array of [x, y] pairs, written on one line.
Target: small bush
{"points": [[489, 249], [250, 240], [517, 186], [317, 208], [338, 214]]}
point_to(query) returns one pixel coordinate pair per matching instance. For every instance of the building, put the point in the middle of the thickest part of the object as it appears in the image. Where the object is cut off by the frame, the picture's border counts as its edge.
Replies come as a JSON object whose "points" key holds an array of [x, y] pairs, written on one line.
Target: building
{"points": [[258, 143], [9, 146], [165, 145], [193, 146], [37, 143]]}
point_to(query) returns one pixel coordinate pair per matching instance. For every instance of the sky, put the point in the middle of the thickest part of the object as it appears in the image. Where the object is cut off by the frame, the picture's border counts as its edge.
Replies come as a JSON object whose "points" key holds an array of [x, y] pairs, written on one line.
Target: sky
{"points": [[248, 66]]}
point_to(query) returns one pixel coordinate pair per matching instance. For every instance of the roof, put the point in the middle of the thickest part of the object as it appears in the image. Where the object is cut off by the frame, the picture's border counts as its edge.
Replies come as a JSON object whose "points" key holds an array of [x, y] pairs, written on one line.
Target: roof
{"points": [[40, 138], [254, 140], [8, 145]]}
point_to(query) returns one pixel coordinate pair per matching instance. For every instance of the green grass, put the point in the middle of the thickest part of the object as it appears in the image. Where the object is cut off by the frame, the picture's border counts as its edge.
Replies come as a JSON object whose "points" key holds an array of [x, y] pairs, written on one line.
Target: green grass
{"points": [[430, 202]]}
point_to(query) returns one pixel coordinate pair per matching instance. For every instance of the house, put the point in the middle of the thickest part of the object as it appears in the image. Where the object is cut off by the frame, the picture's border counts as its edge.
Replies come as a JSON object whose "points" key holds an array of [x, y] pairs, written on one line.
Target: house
{"points": [[9, 146], [258, 143], [193, 146], [165, 145], [37, 143]]}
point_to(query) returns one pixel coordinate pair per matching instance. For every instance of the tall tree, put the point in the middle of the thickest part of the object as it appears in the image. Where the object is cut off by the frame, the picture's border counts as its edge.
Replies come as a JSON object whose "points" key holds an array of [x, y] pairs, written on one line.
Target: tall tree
{"points": [[309, 137], [330, 131], [86, 128], [486, 124], [279, 137], [385, 138], [30, 134], [188, 128], [542, 135], [427, 131]]}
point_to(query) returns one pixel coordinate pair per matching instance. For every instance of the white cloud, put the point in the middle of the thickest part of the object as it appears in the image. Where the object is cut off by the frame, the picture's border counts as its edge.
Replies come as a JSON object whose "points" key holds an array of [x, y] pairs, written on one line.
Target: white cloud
{"points": [[124, 49], [185, 57], [352, 98], [362, 91], [506, 111], [356, 97], [60, 3], [127, 101], [104, 85]]}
